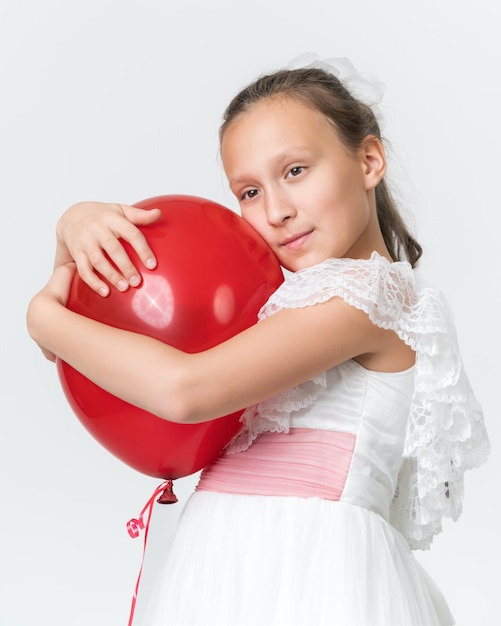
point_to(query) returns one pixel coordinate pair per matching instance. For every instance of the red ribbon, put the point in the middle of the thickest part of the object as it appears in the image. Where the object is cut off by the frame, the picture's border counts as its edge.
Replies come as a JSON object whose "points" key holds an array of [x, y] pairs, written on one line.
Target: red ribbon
{"points": [[135, 526]]}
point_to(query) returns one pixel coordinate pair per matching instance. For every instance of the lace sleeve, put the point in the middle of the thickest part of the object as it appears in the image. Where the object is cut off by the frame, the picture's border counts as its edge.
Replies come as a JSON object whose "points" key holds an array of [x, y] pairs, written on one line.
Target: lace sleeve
{"points": [[445, 431]]}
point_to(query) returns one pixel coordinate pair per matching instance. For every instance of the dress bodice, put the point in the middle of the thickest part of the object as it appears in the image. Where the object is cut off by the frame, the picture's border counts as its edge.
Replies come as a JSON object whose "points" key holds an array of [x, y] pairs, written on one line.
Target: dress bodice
{"points": [[374, 406]]}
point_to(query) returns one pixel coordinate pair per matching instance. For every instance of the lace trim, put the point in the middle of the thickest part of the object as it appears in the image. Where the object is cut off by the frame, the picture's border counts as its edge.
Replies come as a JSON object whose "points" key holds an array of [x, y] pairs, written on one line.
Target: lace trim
{"points": [[445, 432], [273, 415]]}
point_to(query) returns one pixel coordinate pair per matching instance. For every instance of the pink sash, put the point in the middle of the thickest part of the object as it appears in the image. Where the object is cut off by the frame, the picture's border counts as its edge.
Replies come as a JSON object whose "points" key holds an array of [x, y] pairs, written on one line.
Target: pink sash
{"points": [[305, 463]]}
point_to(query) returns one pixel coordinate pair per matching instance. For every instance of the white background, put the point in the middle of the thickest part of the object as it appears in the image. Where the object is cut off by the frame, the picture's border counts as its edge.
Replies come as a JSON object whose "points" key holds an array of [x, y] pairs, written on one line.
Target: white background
{"points": [[120, 100]]}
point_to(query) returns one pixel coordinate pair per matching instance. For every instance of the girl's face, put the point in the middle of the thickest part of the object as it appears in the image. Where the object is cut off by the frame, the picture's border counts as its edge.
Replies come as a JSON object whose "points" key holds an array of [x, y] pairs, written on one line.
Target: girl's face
{"points": [[299, 187]]}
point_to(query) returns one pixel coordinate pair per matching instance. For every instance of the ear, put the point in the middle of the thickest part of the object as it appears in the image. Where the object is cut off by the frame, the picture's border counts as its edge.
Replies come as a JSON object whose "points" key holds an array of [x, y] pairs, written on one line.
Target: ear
{"points": [[373, 161]]}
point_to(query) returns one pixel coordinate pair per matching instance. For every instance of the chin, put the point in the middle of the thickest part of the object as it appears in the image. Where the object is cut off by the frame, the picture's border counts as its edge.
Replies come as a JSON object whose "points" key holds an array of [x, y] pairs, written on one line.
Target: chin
{"points": [[302, 264]]}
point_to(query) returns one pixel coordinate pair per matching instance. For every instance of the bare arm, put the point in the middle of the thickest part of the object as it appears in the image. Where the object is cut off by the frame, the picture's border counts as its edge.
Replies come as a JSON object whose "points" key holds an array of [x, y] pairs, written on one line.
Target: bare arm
{"points": [[89, 234], [268, 358]]}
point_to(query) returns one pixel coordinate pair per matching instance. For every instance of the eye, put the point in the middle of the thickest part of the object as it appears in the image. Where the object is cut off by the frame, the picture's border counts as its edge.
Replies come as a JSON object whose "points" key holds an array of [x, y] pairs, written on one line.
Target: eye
{"points": [[296, 170], [249, 194]]}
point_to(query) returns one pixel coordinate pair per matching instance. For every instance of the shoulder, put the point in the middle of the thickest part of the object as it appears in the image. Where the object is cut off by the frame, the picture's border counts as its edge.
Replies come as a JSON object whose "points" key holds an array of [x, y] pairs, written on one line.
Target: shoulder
{"points": [[364, 301], [365, 284]]}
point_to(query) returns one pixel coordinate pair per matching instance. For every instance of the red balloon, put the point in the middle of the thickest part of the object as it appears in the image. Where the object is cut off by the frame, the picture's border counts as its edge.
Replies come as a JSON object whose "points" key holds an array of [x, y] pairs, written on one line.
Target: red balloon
{"points": [[214, 273]]}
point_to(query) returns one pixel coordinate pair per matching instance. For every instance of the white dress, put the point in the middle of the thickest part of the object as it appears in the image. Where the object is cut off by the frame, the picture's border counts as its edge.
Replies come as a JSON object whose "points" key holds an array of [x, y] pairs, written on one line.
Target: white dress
{"points": [[245, 559]]}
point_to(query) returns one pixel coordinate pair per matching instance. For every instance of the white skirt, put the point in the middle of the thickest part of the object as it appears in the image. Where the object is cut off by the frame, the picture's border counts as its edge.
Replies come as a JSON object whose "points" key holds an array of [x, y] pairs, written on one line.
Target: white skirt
{"points": [[240, 560]]}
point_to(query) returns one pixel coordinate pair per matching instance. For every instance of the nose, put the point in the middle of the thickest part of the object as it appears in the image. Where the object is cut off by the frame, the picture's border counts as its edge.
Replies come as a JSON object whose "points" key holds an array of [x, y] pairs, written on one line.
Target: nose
{"points": [[279, 207]]}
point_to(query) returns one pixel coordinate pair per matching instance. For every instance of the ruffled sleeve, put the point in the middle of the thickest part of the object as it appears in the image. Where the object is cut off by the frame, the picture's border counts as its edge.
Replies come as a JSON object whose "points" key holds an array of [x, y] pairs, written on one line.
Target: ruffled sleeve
{"points": [[445, 431]]}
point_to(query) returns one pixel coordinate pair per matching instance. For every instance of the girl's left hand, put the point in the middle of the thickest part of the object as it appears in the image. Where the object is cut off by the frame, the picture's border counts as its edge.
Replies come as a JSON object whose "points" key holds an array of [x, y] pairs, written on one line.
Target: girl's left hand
{"points": [[41, 308]]}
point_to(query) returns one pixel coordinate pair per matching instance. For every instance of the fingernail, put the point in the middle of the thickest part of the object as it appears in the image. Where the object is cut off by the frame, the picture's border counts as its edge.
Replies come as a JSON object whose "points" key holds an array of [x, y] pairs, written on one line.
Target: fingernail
{"points": [[122, 285], [103, 291], [134, 281], [151, 263]]}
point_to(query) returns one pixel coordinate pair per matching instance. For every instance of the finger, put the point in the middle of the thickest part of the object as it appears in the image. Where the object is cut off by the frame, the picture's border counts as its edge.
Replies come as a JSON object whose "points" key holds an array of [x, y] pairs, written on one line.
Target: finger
{"points": [[60, 282], [97, 281], [103, 269], [50, 356], [135, 237], [65, 273], [106, 262], [107, 237], [121, 268], [140, 216]]}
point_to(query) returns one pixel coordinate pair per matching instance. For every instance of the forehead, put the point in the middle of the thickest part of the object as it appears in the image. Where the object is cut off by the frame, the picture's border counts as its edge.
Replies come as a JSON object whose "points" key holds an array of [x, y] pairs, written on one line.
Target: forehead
{"points": [[276, 119], [276, 109]]}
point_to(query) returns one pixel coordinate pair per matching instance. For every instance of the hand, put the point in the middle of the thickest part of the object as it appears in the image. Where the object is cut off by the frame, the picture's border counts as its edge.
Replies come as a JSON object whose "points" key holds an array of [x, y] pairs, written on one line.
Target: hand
{"points": [[55, 293], [89, 234]]}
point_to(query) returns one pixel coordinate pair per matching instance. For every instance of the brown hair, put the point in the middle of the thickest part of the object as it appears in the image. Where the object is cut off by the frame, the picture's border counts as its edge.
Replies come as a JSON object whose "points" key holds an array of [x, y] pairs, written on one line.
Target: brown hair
{"points": [[353, 121]]}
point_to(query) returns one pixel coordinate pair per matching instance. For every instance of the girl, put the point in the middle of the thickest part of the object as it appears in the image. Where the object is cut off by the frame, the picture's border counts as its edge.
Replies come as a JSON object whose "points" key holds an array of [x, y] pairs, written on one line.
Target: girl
{"points": [[361, 420]]}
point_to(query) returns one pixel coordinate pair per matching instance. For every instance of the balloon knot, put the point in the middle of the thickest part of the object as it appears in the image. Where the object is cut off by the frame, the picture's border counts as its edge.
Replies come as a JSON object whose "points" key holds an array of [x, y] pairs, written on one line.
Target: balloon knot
{"points": [[168, 496]]}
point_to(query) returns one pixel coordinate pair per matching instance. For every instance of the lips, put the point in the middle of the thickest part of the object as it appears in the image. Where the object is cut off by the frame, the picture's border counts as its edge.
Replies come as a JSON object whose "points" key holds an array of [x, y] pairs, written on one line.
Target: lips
{"points": [[294, 242]]}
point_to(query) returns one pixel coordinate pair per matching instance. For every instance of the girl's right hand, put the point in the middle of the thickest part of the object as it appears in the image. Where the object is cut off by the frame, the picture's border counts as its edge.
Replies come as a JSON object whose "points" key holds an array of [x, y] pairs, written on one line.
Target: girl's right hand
{"points": [[89, 234]]}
